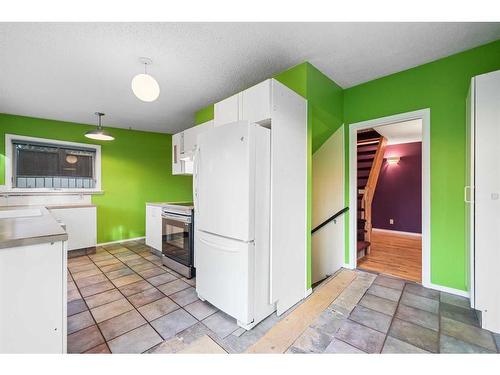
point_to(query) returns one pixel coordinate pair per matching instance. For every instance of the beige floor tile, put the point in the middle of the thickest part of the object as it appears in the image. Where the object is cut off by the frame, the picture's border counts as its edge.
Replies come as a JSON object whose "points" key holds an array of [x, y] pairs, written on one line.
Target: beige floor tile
{"points": [[103, 298], [79, 321], [135, 288], [110, 310], [173, 287], [150, 272], [158, 308], [121, 324], [82, 283], [96, 288], [145, 297], [136, 341], [99, 349], [84, 340], [124, 280]]}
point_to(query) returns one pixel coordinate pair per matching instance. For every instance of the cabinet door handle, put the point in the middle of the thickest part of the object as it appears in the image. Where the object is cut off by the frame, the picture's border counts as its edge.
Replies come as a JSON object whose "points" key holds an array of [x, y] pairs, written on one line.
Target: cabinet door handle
{"points": [[468, 194], [175, 154]]}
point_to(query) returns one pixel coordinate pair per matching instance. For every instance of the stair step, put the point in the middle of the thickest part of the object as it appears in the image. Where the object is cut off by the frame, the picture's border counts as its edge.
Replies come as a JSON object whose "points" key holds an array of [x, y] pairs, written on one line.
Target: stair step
{"points": [[367, 152], [361, 245], [367, 168]]}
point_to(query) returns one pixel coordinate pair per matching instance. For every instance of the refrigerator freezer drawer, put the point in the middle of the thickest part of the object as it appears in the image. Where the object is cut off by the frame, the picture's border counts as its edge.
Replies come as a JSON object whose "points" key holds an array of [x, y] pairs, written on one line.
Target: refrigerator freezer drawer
{"points": [[224, 274]]}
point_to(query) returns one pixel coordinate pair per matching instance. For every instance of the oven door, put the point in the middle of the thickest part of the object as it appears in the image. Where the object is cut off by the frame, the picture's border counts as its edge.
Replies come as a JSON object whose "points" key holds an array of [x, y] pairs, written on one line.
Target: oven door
{"points": [[177, 238]]}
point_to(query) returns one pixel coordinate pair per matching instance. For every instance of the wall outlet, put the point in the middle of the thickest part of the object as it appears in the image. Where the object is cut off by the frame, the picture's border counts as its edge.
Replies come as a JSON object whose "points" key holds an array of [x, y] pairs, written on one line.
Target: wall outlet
{"points": [[391, 221]]}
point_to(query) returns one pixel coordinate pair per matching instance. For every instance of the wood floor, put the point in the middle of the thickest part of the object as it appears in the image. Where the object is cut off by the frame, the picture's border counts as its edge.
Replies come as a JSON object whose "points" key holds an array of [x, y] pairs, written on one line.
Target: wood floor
{"points": [[394, 254]]}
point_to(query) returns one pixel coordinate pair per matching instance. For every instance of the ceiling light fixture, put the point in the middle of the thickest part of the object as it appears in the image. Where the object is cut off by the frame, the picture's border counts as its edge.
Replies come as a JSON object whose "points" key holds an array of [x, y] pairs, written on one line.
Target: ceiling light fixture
{"points": [[100, 134], [145, 86]]}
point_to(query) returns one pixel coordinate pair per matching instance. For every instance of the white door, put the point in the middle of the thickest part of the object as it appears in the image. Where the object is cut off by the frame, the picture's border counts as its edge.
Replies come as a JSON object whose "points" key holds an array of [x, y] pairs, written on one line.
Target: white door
{"points": [[327, 199], [487, 199], [224, 172], [224, 274]]}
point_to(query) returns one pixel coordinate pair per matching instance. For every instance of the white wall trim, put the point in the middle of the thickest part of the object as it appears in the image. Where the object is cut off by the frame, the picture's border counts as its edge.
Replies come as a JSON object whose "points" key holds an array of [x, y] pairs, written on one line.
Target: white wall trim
{"points": [[8, 164], [441, 288], [424, 115], [118, 241], [397, 232], [308, 292]]}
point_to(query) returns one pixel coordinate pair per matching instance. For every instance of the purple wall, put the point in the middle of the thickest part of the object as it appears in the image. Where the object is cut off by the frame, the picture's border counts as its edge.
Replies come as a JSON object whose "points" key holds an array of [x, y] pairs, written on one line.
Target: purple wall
{"points": [[398, 194]]}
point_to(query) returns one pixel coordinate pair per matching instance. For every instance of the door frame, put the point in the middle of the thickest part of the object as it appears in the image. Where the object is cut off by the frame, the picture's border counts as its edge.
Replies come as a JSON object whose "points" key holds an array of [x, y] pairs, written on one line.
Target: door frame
{"points": [[424, 115]]}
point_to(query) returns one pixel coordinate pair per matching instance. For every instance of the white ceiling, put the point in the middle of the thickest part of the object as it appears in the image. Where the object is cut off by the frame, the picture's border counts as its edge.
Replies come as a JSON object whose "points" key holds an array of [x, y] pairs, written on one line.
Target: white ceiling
{"points": [[402, 132], [67, 71]]}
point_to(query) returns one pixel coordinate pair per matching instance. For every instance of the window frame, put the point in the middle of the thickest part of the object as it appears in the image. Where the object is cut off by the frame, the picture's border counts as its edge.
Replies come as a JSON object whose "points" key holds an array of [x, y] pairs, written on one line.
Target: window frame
{"points": [[9, 161]]}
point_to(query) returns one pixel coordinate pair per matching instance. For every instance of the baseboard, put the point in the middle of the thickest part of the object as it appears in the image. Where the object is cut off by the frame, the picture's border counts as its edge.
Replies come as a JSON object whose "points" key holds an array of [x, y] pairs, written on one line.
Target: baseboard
{"points": [[397, 232], [127, 240], [308, 292], [441, 288]]}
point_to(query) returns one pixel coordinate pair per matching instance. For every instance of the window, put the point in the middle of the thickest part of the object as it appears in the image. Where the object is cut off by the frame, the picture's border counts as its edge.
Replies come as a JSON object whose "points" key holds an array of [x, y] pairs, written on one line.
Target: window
{"points": [[45, 164]]}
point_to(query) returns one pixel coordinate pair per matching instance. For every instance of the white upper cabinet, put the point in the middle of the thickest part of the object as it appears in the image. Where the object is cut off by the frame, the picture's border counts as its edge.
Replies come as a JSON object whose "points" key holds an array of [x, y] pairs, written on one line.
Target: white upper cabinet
{"points": [[227, 110], [253, 104], [184, 146], [256, 103], [191, 137], [177, 163]]}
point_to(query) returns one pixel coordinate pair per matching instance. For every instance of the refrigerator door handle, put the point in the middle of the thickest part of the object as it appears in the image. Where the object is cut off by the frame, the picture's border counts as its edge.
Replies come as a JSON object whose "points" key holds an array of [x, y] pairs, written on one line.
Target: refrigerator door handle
{"points": [[195, 180], [219, 246]]}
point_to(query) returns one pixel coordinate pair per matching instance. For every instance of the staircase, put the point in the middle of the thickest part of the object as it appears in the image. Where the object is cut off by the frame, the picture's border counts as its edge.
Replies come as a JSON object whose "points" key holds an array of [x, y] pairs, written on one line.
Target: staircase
{"points": [[371, 146]]}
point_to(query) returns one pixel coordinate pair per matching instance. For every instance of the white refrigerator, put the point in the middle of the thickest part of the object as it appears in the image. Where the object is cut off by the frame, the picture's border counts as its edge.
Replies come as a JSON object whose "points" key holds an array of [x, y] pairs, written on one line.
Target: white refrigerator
{"points": [[231, 187]]}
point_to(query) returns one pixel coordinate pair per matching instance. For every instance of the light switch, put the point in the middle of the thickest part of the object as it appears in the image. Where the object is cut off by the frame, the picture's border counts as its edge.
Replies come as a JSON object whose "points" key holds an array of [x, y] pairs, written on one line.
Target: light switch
{"points": [[391, 221], [494, 196]]}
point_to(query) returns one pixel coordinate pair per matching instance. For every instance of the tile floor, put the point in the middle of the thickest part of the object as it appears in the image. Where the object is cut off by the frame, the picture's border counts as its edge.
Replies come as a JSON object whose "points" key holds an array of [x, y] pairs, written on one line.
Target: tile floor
{"points": [[380, 314], [122, 300]]}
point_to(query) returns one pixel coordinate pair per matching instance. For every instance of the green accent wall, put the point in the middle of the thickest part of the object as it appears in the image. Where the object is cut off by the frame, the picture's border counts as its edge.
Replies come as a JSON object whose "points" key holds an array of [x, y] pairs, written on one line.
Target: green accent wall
{"points": [[204, 115], [136, 168], [442, 86]]}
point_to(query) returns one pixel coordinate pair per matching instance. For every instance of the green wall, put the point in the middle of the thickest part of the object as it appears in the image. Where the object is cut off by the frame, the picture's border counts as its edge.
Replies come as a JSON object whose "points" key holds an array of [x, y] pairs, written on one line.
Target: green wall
{"points": [[204, 115], [136, 168], [441, 86], [324, 117]]}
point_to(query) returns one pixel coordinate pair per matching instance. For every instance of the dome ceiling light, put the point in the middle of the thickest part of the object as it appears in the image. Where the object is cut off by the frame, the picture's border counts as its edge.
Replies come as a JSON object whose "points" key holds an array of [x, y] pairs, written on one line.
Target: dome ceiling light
{"points": [[144, 86], [99, 134]]}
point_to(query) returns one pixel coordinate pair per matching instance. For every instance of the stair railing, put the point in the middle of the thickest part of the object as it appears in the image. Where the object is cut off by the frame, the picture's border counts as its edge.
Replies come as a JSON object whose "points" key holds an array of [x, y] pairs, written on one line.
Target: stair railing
{"points": [[369, 191], [330, 219]]}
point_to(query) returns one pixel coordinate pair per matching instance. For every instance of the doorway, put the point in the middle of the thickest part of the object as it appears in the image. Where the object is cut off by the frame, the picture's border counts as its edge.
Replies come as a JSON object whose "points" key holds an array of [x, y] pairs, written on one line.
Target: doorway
{"points": [[389, 224]]}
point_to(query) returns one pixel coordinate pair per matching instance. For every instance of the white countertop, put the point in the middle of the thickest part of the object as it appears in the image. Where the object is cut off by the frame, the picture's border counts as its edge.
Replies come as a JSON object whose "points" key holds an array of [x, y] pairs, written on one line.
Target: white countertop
{"points": [[29, 227]]}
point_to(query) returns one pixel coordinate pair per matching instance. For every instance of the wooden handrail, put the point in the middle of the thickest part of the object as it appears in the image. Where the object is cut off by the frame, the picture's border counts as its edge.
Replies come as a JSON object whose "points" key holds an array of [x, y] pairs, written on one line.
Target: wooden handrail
{"points": [[369, 190]]}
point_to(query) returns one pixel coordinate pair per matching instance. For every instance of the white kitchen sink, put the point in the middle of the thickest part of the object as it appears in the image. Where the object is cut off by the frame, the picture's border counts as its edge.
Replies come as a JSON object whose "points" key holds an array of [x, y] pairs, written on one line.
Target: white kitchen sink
{"points": [[25, 212]]}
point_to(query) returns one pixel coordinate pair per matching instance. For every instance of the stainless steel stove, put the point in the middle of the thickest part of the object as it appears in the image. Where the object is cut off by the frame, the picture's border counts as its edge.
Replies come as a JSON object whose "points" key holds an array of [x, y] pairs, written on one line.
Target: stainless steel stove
{"points": [[178, 237]]}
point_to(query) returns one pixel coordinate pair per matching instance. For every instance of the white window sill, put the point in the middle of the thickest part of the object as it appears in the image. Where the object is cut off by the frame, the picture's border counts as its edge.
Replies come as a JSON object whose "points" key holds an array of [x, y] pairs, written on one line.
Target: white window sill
{"points": [[13, 192]]}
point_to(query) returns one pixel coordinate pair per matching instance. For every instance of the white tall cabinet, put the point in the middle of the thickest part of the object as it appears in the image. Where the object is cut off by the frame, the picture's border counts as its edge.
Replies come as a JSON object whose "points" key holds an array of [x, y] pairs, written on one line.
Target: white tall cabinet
{"points": [[482, 197]]}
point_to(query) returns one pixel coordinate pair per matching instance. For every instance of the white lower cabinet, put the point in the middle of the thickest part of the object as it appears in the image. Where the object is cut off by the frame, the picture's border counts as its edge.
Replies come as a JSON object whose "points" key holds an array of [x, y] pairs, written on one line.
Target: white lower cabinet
{"points": [[81, 225], [154, 227], [33, 298]]}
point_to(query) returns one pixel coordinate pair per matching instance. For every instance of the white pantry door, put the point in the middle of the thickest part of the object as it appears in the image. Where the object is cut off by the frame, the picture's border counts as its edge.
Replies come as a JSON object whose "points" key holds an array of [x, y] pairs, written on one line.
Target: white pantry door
{"points": [[327, 199]]}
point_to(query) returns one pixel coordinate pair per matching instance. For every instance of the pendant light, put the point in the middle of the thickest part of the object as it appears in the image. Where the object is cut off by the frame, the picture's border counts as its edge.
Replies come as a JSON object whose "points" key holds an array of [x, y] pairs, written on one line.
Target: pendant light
{"points": [[100, 134], [144, 86]]}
